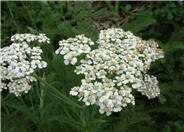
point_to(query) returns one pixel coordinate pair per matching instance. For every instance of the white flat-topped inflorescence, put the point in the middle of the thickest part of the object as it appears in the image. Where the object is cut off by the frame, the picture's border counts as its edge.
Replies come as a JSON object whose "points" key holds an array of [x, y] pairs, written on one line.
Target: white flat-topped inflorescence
{"points": [[19, 60], [118, 66]]}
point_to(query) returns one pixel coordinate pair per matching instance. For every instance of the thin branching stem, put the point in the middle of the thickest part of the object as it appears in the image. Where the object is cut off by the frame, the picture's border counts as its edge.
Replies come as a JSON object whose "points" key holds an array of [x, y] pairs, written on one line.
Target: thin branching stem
{"points": [[117, 8], [61, 95]]}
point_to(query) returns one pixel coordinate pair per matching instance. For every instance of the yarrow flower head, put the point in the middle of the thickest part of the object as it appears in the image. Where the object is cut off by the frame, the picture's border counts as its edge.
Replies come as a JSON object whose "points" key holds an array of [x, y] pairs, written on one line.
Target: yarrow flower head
{"points": [[19, 60], [112, 71]]}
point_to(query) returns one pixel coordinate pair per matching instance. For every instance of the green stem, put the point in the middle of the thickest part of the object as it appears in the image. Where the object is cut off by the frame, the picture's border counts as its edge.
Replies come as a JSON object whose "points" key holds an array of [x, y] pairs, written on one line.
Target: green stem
{"points": [[117, 8], [41, 99], [37, 90], [64, 98], [82, 118], [31, 100]]}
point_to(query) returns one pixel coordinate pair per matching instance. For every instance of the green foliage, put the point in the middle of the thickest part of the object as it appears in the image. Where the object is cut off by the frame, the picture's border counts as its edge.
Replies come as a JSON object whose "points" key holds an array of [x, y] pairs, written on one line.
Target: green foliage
{"points": [[41, 111], [140, 23]]}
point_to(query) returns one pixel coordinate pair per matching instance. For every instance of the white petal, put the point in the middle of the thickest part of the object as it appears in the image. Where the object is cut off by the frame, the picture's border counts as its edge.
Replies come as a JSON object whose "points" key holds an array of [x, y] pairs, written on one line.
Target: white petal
{"points": [[66, 62], [57, 52], [74, 60]]}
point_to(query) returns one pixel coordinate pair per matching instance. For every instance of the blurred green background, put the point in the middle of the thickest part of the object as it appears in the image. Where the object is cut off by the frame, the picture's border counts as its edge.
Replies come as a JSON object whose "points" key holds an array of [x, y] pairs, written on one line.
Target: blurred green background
{"points": [[40, 111]]}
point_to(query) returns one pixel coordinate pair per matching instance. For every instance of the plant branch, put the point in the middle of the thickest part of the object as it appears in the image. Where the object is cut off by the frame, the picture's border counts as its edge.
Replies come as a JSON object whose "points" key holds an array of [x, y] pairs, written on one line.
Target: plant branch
{"points": [[61, 95]]}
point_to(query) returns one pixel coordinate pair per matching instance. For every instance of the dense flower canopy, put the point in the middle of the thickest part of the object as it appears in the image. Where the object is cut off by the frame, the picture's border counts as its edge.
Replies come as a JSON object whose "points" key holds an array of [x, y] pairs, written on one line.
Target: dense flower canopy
{"points": [[111, 71], [118, 66]]}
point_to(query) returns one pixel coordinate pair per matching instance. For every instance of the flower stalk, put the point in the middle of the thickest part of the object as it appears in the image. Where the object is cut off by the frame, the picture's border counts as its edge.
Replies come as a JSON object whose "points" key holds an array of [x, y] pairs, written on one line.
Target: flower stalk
{"points": [[61, 95]]}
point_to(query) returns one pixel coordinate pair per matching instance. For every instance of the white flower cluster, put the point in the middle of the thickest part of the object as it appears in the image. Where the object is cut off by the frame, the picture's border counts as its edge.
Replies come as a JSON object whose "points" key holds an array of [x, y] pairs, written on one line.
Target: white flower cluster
{"points": [[73, 47], [18, 61], [112, 71], [41, 38], [150, 87]]}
